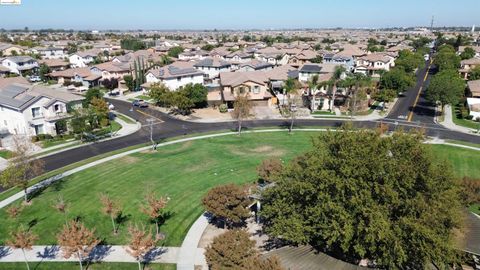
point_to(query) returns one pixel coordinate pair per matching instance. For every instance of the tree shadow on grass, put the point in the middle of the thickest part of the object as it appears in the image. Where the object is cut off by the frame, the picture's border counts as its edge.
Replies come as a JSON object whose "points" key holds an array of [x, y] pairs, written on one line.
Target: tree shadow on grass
{"points": [[122, 219]]}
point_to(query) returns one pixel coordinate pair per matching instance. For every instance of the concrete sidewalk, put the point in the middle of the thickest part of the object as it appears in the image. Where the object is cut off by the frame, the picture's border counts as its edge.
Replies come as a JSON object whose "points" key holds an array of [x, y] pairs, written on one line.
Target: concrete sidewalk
{"points": [[448, 122], [102, 253], [189, 254]]}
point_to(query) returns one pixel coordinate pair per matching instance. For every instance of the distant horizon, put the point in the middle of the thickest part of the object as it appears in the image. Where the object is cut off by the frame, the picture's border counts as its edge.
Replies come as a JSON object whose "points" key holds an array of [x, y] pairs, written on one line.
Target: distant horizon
{"points": [[244, 15]]}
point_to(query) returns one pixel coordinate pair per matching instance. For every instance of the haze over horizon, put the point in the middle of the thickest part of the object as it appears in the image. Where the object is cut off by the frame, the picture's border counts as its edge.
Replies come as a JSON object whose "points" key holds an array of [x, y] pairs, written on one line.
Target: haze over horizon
{"points": [[247, 14]]}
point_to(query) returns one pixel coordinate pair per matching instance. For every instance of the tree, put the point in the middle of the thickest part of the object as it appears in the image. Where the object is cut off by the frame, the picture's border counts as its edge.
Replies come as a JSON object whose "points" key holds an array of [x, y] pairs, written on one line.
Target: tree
{"points": [[129, 82], [61, 206], [268, 168], [161, 95], [175, 51], [13, 211], [447, 58], [228, 203], [231, 250], [154, 208], [336, 78], [197, 93], [141, 242], [90, 94], [474, 73], [182, 103], [409, 60], [43, 71], [397, 79], [110, 208], [361, 195], [241, 109], [385, 95], [22, 239], [445, 87], [208, 47], [99, 109], [21, 166], [470, 191], [76, 240], [234, 250], [467, 53]]}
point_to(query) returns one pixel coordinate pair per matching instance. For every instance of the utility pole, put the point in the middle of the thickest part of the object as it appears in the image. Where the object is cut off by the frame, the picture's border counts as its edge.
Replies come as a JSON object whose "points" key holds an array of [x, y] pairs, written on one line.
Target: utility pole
{"points": [[354, 101], [431, 23]]}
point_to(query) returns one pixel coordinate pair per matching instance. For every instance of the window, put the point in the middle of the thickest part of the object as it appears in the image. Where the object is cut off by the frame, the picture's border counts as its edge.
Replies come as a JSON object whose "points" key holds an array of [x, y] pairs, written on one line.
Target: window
{"points": [[39, 129], [36, 112], [57, 108], [5, 123], [256, 89], [179, 79], [242, 90]]}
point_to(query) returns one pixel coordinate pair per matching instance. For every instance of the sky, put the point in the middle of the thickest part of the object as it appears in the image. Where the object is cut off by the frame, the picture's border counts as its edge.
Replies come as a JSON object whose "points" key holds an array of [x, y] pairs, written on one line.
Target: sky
{"points": [[236, 14]]}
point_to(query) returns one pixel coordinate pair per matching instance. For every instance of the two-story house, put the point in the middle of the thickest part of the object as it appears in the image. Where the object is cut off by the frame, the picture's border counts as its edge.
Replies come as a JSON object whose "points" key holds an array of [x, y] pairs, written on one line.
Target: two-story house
{"points": [[212, 67], [19, 64], [33, 110], [82, 59], [253, 83], [174, 77], [467, 65], [255, 65], [373, 64], [49, 52]]}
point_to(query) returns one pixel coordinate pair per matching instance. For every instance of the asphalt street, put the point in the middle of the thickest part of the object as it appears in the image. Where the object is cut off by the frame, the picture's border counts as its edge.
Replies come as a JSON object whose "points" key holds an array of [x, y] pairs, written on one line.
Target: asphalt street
{"points": [[166, 126]]}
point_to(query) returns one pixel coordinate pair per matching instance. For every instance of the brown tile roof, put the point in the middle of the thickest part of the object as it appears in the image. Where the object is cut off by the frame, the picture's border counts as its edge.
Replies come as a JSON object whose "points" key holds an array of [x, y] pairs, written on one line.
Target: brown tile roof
{"points": [[237, 78], [474, 87], [7, 81]]}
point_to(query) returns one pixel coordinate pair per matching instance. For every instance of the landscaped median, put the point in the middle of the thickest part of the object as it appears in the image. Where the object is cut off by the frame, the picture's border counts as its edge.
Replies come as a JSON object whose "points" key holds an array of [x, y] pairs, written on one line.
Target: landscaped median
{"points": [[182, 169]]}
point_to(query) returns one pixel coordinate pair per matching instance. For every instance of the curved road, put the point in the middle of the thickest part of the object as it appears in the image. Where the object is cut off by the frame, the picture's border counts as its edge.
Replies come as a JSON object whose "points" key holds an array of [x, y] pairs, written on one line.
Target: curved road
{"points": [[165, 126]]}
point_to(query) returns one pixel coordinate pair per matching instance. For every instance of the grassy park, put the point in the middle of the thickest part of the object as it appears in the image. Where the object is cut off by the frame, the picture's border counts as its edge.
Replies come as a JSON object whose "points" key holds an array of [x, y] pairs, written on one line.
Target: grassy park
{"points": [[184, 172], [74, 266]]}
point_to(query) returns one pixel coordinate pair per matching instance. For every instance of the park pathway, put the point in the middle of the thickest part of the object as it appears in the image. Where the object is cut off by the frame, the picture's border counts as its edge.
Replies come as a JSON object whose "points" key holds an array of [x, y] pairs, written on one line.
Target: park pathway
{"points": [[102, 253]]}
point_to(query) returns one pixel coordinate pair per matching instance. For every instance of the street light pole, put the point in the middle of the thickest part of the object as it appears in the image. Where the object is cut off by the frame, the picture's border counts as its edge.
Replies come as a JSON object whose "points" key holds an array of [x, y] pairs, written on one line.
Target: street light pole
{"points": [[150, 123]]}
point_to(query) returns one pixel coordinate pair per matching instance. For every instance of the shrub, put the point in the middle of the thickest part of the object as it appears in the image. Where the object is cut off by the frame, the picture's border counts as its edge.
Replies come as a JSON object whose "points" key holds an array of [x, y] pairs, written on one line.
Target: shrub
{"points": [[77, 84], [223, 108], [469, 117], [470, 190]]}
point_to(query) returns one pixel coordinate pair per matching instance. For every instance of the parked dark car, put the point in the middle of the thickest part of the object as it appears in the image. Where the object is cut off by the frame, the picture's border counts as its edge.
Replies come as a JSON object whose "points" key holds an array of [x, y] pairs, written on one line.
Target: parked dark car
{"points": [[140, 103]]}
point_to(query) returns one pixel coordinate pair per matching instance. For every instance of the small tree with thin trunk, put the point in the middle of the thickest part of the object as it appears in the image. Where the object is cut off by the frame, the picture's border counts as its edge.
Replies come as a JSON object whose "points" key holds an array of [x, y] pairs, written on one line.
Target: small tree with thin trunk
{"points": [[154, 208], [13, 211], [241, 109], [76, 240], [110, 208], [228, 203], [234, 250], [22, 166], [61, 206], [268, 168], [141, 242], [22, 239]]}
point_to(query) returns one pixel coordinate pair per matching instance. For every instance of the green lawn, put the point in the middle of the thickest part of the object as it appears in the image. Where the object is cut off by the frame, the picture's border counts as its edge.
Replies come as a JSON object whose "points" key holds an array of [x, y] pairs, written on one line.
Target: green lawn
{"points": [[458, 117], [465, 162], [75, 266], [184, 172], [126, 119], [5, 154]]}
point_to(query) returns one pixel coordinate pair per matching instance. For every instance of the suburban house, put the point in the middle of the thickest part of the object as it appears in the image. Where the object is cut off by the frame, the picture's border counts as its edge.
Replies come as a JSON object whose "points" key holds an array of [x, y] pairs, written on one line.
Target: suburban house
{"points": [[302, 57], [193, 55], [7, 49], [339, 59], [307, 71], [255, 65], [474, 88], [238, 57], [54, 64], [49, 52], [474, 107], [467, 65], [33, 110], [19, 64], [475, 48], [253, 83], [374, 63], [212, 67], [84, 76], [273, 56], [82, 59], [111, 70], [173, 77]]}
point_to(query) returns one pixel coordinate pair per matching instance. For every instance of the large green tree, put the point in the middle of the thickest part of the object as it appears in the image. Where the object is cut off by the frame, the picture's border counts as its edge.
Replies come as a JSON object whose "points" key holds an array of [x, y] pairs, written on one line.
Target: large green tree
{"points": [[410, 60], [447, 58], [360, 195], [175, 51], [446, 87], [467, 53], [397, 79], [197, 93]]}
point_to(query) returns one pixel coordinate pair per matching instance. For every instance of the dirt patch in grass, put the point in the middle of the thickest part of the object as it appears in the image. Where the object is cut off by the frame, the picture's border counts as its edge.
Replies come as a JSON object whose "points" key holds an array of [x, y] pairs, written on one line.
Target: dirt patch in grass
{"points": [[129, 160], [263, 150]]}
